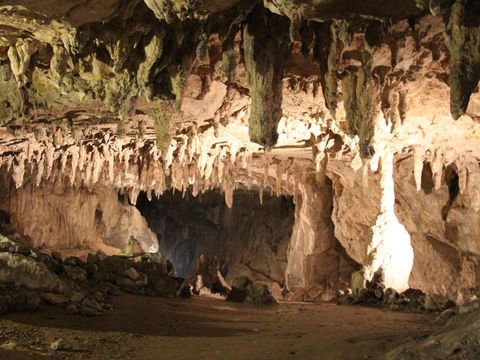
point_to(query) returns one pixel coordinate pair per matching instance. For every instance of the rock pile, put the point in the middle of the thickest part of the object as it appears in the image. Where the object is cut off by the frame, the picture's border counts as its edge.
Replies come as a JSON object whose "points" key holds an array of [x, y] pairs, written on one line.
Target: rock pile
{"points": [[374, 293], [29, 278]]}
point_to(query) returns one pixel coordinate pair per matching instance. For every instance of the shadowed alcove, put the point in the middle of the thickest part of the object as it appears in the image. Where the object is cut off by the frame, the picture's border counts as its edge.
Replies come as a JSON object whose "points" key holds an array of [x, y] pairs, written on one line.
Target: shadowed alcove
{"points": [[248, 239]]}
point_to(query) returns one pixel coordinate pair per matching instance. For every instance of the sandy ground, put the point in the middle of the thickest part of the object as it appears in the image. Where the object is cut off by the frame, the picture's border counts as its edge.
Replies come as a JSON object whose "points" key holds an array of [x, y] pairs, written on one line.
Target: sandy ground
{"points": [[200, 328]]}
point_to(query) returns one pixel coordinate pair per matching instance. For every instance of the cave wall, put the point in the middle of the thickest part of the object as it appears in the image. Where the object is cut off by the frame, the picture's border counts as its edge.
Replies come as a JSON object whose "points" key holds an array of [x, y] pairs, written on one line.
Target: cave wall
{"points": [[311, 247], [249, 239], [317, 264], [74, 221], [446, 253]]}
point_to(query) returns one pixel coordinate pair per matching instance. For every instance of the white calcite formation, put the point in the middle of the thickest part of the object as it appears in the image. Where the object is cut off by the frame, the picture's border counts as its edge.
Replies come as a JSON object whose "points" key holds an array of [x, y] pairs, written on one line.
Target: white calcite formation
{"points": [[390, 250]]}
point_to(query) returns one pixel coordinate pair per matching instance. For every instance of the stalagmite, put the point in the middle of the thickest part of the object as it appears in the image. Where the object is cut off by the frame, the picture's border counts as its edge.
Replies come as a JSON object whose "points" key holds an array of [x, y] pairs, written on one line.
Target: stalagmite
{"points": [[390, 249]]}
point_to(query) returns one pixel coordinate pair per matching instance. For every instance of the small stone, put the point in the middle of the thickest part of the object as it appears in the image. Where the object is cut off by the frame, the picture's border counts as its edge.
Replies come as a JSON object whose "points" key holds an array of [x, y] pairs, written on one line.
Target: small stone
{"points": [[91, 303], [92, 259], [11, 345], [100, 255], [344, 300], [59, 345], [109, 289], [54, 299], [90, 267], [98, 296], [72, 309], [132, 273], [186, 292], [87, 311], [362, 295], [72, 261], [390, 296], [76, 273], [430, 304], [76, 297]]}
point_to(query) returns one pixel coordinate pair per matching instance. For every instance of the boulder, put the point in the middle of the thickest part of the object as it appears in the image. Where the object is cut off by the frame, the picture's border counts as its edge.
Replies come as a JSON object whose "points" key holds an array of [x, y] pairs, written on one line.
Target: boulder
{"points": [[73, 261], [76, 273], [390, 296], [414, 298], [358, 282], [54, 299], [23, 300], [25, 271], [245, 290], [164, 285]]}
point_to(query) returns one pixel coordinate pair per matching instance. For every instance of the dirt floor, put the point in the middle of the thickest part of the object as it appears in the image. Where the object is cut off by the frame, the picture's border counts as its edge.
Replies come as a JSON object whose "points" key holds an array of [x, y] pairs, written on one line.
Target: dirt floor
{"points": [[201, 328]]}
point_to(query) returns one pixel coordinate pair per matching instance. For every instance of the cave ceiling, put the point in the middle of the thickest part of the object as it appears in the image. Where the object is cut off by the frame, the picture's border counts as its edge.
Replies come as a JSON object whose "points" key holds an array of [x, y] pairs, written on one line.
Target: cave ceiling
{"points": [[232, 87]]}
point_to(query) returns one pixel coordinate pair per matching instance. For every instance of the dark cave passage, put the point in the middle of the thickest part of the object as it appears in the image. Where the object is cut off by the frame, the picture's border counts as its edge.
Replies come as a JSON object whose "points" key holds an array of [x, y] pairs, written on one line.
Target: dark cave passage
{"points": [[249, 239]]}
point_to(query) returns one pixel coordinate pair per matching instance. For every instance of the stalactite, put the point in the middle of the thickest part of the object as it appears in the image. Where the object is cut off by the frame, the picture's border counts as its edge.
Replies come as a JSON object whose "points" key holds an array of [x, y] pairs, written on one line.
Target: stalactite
{"points": [[88, 173], [437, 170], [463, 42], [49, 154], [360, 94], [418, 167], [18, 170], [97, 160], [266, 49], [326, 54], [82, 158]]}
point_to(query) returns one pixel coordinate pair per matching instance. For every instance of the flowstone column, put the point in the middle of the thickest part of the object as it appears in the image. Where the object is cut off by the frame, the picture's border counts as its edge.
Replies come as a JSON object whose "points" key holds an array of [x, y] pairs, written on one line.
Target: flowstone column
{"points": [[390, 248]]}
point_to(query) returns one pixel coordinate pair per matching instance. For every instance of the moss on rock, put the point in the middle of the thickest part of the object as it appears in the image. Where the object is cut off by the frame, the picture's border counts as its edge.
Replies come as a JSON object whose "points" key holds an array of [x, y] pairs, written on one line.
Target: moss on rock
{"points": [[463, 42], [266, 48]]}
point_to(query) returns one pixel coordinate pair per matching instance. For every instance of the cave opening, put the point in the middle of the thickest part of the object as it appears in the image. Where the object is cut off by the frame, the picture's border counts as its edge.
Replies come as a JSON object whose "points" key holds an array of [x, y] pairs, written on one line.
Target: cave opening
{"points": [[250, 239]]}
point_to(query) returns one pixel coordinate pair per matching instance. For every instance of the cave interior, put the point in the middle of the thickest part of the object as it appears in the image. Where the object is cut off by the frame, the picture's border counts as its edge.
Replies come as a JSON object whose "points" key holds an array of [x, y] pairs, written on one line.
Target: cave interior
{"points": [[286, 178]]}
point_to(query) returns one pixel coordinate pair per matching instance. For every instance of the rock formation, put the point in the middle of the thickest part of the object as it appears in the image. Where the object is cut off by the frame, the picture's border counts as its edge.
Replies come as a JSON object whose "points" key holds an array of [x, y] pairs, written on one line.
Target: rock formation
{"points": [[364, 115]]}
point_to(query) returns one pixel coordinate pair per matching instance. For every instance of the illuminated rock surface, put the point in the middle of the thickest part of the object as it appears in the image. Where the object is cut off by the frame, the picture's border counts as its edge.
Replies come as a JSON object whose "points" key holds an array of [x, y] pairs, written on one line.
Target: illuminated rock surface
{"points": [[291, 142]]}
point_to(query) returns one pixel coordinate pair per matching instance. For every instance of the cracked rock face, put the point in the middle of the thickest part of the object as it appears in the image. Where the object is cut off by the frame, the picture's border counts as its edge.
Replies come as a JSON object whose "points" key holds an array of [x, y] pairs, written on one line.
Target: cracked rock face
{"points": [[365, 114]]}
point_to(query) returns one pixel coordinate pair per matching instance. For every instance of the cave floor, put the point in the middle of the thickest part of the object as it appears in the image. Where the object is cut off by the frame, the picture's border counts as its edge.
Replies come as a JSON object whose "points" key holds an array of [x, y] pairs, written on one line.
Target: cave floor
{"points": [[201, 328]]}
